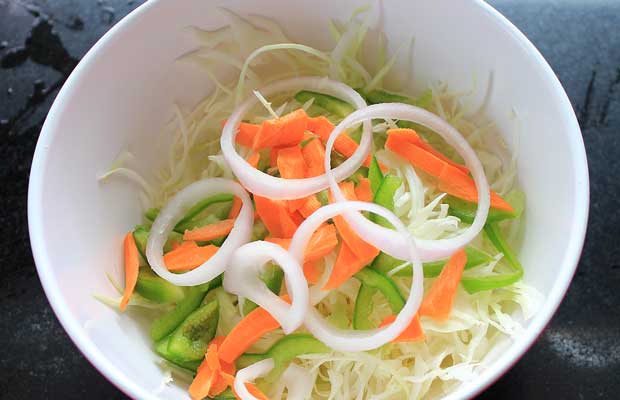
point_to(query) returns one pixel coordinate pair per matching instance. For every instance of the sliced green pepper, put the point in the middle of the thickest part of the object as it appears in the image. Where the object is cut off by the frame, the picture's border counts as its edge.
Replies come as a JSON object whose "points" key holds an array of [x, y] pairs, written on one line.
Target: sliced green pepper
{"points": [[156, 289], [167, 323], [189, 341], [161, 348], [329, 103], [227, 394], [466, 211], [323, 197], [363, 308], [381, 96], [375, 175], [385, 263], [373, 282], [272, 275], [283, 352], [385, 197], [141, 236]]}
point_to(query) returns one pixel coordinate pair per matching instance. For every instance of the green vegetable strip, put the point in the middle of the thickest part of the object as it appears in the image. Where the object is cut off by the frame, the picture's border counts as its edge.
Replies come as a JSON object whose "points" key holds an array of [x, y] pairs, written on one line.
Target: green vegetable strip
{"points": [[283, 352], [373, 282], [363, 308], [161, 348], [329, 103], [374, 175], [385, 197], [466, 211], [272, 276], [167, 323], [226, 395], [190, 340], [156, 289], [477, 284]]}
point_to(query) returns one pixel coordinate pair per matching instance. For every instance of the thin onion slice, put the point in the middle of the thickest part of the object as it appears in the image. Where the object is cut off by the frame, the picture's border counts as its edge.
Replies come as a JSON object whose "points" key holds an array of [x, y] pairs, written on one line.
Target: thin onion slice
{"points": [[249, 374], [242, 278], [174, 210], [347, 340], [263, 184], [395, 244]]}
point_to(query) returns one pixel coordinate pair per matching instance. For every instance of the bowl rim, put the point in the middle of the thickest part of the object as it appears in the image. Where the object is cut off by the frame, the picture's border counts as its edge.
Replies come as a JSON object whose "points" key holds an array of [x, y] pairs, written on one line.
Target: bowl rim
{"points": [[107, 368]]}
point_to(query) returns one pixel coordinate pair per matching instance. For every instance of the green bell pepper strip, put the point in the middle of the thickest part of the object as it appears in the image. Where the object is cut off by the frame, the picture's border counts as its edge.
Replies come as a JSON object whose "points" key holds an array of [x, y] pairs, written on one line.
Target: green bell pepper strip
{"points": [[323, 197], [329, 103], [477, 284], [227, 394], [156, 289], [190, 340], [425, 100], [283, 352], [186, 221], [466, 211], [373, 282], [375, 175], [385, 263], [272, 276], [167, 323], [161, 348], [385, 197]]}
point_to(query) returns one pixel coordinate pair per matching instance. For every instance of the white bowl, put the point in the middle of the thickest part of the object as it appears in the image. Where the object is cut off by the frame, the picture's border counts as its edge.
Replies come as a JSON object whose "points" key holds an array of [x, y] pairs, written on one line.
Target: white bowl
{"points": [[121, 94]]}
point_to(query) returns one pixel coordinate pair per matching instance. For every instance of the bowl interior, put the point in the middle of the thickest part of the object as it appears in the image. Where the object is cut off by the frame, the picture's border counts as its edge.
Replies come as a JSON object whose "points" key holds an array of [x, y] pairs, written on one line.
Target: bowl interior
{"points": [[122, 93]]}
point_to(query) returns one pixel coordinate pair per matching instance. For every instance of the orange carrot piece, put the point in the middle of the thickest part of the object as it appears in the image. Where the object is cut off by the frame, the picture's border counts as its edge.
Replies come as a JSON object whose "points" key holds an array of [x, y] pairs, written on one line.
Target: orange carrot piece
{"points": [[253, 159], [413, 332], [322, 242], [310, 205], [363, 191], [132, 265], [363, 249], [343, 144], [292, 165], [236, 208], [188, 256], [246, 134], [256, 392], [312, 272], [450, 179], [203, 382], [348, 263], [314, 155], [275, 216], [210, 232], [284, 131], [273, 156], [221, 383], [412, 137], [246, 332], [437, 303]]}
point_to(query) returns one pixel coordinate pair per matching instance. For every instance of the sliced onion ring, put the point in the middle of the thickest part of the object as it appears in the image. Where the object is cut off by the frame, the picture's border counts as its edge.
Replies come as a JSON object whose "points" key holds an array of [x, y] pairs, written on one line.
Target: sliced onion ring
{"points": [[250, 373], [266, 185], [174, 210], [242, 278], [395, 244], [347, 340]]}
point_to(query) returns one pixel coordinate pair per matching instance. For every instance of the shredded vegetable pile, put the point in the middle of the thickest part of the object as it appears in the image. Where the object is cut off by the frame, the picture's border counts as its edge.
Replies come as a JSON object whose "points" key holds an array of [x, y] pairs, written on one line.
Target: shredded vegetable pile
{"points": [[314, 235]]}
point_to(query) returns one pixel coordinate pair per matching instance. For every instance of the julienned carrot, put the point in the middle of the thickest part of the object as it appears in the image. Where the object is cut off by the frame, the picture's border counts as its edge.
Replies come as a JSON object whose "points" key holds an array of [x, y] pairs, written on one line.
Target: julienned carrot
{"points": [[411, 136], [362, 249], [413, 332], [257, 323], [450, 179], [210, 232], [347, 264], [132, 265], [291, 165], [314, 155], [246, 134], [253, 159], [343, 144], [363, 191], [275, 216], [209, 379], [273, 156], [310, 205], [255, 391], [437, 303], [312, 272], [203, 382], [188, 256], [322, 242], [287, 130], [235, 208]]}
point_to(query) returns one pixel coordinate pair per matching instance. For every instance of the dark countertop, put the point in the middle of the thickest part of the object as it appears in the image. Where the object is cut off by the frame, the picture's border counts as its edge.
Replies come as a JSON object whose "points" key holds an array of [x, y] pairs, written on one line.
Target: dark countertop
{"points": [[578, 355]]}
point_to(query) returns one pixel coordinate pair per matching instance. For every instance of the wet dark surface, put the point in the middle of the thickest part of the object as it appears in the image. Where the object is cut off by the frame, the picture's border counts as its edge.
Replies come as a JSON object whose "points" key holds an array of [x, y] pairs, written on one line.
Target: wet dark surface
{"points": [[578, 355]]}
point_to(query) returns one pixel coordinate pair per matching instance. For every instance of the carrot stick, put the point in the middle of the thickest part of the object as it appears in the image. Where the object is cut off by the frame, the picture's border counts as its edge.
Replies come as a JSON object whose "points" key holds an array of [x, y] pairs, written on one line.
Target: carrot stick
{"points": [[347, 264], [188, 256], [280, 132], [450, 178], [246, 134], [412, 137], [275, 216], [363, 191], [310, 205], [132, 265], [314, 155], [253, 159], [437, 303], [273, 156], [343, 144], [236, 208], [413, 332], [203, 382], [311, 272], [322, 242], [210, 232], [292, 165], [246, 332]]}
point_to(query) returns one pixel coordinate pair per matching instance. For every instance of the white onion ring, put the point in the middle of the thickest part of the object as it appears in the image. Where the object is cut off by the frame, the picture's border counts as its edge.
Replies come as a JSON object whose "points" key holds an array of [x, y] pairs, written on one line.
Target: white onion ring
{"points": [[250, 373], [242, 278], [348, 340], [275, 188], [395, 244], [174, 210], [298, 382]]}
